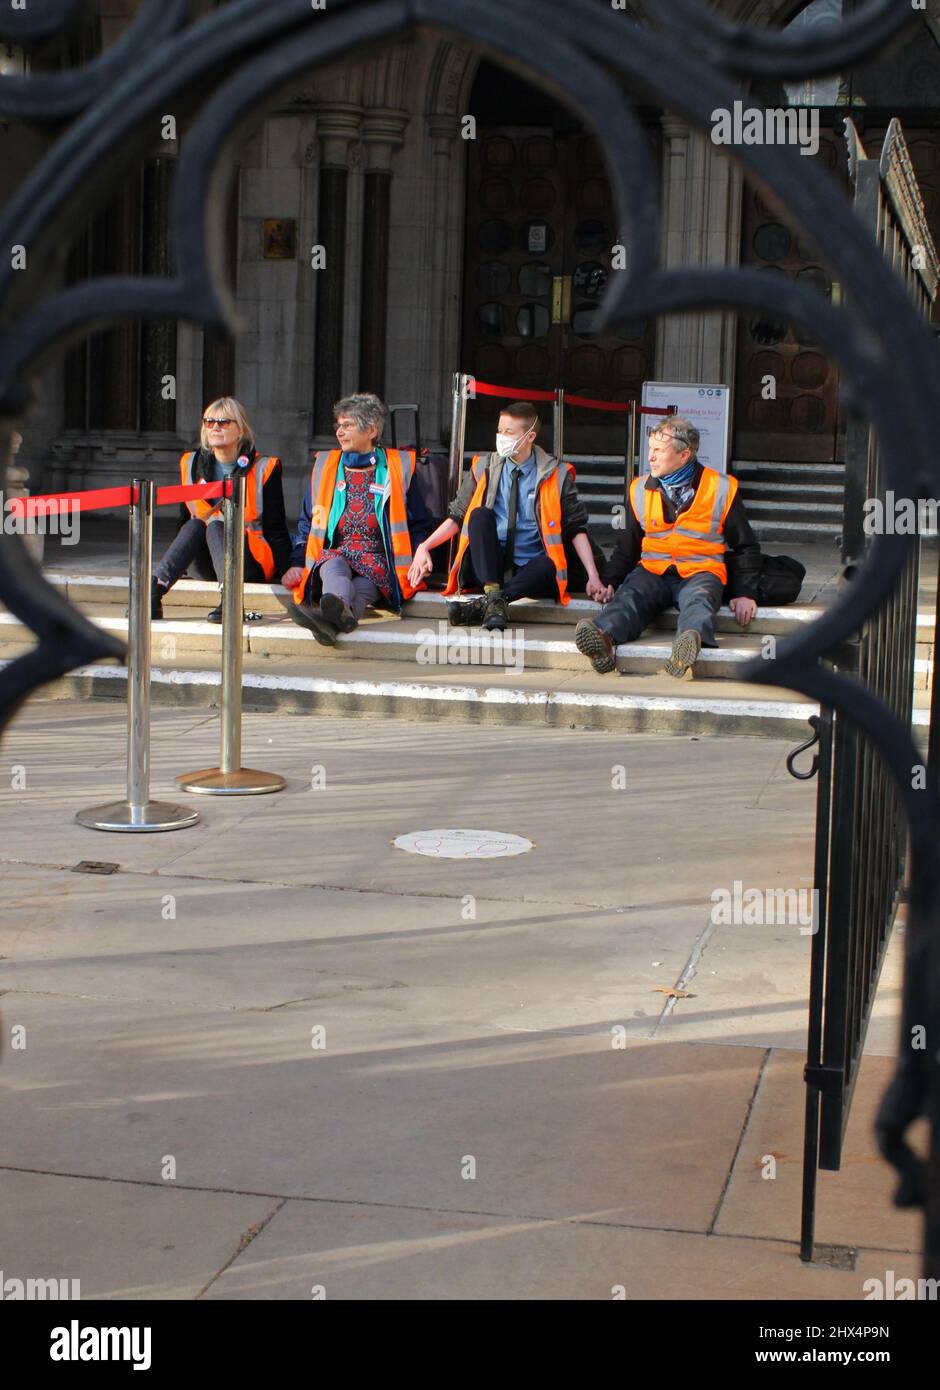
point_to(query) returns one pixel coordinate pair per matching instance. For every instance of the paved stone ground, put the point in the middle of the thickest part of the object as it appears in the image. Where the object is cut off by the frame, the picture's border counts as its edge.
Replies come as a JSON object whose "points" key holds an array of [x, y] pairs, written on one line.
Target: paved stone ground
{"points": [[471, 1128]]}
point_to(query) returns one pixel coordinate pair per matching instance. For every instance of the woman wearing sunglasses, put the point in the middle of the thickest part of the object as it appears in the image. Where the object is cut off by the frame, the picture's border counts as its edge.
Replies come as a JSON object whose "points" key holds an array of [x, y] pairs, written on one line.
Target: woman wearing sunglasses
{"points": [[226, 440]]}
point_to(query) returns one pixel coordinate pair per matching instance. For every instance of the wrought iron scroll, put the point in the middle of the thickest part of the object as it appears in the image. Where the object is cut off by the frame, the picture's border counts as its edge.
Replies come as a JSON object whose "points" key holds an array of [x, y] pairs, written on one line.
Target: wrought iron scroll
{"points": [[227, 67]]}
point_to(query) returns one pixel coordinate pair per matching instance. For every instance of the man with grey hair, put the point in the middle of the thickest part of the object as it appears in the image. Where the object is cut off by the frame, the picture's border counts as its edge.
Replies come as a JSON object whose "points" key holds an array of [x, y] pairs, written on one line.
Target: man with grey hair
{"points": [[682, 522], [359, 521]]}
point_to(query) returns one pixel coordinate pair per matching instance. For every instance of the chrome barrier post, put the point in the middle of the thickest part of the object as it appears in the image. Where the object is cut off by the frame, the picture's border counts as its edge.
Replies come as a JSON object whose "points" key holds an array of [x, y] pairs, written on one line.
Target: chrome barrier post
{"points": [[230, 778], [558, 445], [138, 812], [458, 434], [629, 472]]}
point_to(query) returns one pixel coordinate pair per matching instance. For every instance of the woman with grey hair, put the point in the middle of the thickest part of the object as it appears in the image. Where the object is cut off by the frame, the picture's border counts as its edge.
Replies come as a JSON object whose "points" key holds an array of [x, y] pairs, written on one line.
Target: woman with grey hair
{"points": [[358, 525]]}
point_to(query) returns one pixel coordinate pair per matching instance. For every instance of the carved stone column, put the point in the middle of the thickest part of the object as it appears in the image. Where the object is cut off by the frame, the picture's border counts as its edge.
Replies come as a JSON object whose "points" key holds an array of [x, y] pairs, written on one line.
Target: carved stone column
{"points": [[157, 336], [702, 226], [382, 133], [337, 127]]}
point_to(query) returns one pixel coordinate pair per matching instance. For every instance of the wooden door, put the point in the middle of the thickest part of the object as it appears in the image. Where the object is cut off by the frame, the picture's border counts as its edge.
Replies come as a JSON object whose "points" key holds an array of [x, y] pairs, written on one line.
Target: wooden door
{"points": [[541, 229]]}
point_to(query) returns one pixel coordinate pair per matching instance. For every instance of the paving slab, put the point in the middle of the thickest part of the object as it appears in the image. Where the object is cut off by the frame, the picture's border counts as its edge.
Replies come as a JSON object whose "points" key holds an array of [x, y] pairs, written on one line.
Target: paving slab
{"points": [[854, 1205], [121, 1240], [331, 1251]]}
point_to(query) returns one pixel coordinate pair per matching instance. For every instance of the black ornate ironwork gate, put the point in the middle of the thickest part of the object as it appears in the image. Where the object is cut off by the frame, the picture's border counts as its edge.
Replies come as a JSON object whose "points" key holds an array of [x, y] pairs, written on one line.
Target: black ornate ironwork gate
{"points": [[224, 69], [861, 837]]}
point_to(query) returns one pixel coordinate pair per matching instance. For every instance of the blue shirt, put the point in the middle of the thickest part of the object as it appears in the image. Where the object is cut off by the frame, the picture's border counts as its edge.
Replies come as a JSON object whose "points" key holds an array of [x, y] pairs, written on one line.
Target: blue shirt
{"points": [[528, 545]]}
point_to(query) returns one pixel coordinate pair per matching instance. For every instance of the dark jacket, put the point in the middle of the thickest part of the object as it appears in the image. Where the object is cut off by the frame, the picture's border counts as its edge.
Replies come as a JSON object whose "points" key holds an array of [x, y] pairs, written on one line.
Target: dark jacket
{"points": [[743, 558], [420, 526], [273, 517]]}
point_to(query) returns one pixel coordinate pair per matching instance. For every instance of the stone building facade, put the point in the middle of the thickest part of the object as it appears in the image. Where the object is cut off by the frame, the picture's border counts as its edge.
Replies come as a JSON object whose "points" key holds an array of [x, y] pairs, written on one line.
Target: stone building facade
{"points": [[443, 253]]}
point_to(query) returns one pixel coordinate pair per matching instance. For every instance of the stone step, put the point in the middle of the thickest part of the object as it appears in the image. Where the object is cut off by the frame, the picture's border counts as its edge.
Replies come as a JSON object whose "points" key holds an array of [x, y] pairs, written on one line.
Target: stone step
{"points": [[191, 597], [621, 704], [626, 704], [419, 642]]}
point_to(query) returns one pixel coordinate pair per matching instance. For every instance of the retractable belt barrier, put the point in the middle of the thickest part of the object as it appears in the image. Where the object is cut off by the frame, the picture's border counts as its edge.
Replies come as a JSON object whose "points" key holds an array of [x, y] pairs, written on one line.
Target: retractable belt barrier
{"points": [[137, 812], [467, 387]]}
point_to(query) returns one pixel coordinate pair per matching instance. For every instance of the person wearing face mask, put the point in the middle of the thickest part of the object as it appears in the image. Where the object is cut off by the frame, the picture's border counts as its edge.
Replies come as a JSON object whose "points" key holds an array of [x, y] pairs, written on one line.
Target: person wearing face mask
{"points": [[517, 514], [687, 536], [226, 445]]}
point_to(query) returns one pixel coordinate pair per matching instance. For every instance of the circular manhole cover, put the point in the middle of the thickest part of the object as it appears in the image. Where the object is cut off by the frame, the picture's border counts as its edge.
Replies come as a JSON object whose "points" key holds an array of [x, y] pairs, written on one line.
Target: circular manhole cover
{"points": [[463, 844]]}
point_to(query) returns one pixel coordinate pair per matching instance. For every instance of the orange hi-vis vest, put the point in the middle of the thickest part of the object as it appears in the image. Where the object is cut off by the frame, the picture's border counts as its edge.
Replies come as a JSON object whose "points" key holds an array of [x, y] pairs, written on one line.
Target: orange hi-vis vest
{"points": [[401, 467], [695, 541], [549, 513], [257, 475]]}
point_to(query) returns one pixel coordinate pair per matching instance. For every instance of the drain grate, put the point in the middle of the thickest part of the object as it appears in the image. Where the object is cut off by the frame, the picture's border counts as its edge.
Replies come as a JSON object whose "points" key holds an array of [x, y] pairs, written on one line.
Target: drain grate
{"points": [[835, 1257]]}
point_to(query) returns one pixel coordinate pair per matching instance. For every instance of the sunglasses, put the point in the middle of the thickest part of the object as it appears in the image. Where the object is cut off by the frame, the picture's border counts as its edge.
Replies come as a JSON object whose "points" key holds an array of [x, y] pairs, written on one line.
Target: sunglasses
{"points": [[222, 424], [677, 435]]}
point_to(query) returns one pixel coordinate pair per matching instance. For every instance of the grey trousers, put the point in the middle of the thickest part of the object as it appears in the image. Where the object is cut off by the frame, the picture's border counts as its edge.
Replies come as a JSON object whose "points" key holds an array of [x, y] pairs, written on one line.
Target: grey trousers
{"points": [[643, 595], [356, 591]]}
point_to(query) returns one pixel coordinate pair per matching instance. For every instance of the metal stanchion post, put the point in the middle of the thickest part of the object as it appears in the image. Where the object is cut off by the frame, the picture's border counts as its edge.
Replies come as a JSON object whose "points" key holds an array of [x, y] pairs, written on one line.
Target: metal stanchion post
{"points": [[629, 472], [230, 778], [458, 435], [559, 424], [138, 812]]}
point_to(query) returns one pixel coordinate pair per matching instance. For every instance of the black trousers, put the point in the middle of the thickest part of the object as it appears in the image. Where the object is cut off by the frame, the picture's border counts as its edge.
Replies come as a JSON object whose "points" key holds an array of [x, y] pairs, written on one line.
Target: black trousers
{"points": [[533, 580]]}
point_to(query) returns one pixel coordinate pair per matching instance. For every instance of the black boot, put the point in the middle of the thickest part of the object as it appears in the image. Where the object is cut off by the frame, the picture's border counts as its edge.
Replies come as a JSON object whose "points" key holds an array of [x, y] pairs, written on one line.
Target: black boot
{"points": [[157, 590], [466, 614], [338, 613], [305, 615], [496, 613]]}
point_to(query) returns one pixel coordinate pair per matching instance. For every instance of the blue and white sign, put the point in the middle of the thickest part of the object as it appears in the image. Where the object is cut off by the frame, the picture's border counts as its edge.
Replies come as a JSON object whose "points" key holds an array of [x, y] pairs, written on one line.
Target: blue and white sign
{"points": [[707, 406]]}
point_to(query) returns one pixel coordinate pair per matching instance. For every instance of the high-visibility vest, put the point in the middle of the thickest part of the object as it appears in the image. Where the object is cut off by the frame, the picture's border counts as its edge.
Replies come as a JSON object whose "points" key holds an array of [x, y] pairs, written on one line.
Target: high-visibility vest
{"points": [[695, 541], [549, 515], [401, 467], [257, 475]]}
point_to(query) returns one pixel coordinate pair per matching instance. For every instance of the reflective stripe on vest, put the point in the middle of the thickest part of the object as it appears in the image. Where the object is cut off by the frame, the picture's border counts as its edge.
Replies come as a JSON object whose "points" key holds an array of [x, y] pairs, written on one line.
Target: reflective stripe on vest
{"points": [[257, 475], [695, 542], [548, 496], [401, 467]]}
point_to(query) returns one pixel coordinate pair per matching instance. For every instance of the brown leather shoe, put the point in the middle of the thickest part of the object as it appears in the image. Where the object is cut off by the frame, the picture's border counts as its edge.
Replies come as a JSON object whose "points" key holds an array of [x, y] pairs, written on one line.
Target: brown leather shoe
{"points": [[597, 645]]}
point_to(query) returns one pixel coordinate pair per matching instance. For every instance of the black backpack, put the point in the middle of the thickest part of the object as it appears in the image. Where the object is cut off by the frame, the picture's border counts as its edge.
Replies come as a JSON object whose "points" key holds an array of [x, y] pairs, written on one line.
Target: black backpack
{"points": [[781, 579]]}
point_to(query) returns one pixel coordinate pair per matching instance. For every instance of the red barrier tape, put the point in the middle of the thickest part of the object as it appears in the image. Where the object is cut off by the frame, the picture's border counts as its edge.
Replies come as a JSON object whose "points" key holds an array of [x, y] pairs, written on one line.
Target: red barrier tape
{"points": [[483, 388], [97, 499], [193, 491], [596, 405], [55, 502]]}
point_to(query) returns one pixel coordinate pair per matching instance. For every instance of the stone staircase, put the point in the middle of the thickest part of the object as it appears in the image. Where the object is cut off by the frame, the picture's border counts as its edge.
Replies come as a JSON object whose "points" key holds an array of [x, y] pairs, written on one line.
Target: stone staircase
{"points": [[419, 667]]}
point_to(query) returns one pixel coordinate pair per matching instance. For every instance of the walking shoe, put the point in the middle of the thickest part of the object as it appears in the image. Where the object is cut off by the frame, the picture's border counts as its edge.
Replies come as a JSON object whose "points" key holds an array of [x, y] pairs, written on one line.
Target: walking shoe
{"points": [[597, 645], [685, 653], [466, 614], [157, 590], [496, 613], [338, 613], [249, 615], [305, 615]]}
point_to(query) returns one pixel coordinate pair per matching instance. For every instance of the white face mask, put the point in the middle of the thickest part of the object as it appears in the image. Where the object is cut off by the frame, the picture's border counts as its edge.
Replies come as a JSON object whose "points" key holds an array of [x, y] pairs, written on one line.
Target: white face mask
{"points": [[505, 443]]}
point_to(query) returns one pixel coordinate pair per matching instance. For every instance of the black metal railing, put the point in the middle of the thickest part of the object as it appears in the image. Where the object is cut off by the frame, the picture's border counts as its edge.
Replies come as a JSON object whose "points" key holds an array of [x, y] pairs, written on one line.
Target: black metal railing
{"points": [[861, 829]]}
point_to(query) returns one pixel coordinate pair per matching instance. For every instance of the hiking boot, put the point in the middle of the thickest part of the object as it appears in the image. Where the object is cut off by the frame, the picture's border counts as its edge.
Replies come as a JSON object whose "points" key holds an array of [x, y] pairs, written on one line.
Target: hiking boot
{"points": [[685, 653], [338, 613], [305, 615], [597, 645], [466, 614], [495, 613]]}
